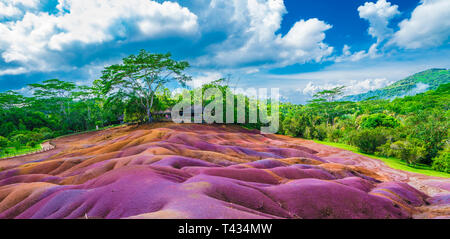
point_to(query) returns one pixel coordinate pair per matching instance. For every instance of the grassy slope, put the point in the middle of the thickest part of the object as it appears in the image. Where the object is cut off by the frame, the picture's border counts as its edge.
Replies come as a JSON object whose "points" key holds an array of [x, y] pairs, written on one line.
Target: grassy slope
{"points": [[391, 162], [22, 151], [26, 150]]}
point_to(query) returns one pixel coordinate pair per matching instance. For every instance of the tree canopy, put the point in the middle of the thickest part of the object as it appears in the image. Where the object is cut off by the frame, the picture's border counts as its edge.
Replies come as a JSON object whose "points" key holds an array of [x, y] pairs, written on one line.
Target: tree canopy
{"points": [[140, 76]]}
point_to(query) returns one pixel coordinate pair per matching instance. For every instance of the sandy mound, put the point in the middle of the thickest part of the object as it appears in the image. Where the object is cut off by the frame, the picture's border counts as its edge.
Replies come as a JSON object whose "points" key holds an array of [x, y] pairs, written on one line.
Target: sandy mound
{"points": [[199, 171]]}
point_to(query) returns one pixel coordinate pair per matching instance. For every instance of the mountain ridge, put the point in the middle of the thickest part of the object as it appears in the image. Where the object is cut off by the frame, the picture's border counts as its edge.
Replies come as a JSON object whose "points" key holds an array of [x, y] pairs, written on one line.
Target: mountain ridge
{"points": [[420, 82]]}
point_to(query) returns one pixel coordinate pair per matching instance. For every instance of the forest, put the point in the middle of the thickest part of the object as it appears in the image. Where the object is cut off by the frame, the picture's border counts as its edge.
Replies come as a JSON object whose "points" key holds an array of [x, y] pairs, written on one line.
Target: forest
{"points": [[414, 129], [418, 83]]}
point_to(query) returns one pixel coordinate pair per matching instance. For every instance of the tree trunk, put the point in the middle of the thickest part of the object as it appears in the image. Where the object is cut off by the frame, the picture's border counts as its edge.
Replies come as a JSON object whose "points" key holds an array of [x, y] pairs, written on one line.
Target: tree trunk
{"points": [[149, 116], [149, 107]]}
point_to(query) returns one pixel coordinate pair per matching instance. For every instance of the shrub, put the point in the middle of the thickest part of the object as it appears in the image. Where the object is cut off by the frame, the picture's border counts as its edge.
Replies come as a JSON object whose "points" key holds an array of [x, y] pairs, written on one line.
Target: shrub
{"points": [[407, 151], [442, 161], [378, 120], [335, 134], [32, 144], [320, 132], [21, 139], [3, 142], [309, 132], [386, 150], [45, 132], [368, 140], [7, 128], [292, 127]]}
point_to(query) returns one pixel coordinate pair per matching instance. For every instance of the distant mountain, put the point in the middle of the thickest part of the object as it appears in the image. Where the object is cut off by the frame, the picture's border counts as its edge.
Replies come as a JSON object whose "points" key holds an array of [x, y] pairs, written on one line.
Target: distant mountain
{"points": [[412, 85]]}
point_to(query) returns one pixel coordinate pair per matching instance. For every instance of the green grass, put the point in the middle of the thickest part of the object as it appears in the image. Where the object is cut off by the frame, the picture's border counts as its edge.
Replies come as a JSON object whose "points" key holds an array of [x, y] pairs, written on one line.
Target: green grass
{"points": [[23, 150], [391, 162]]}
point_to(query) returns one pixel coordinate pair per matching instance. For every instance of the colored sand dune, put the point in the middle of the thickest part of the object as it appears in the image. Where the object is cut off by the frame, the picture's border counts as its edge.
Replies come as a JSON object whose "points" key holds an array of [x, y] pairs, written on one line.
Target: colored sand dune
{"points": [[199, 171]]}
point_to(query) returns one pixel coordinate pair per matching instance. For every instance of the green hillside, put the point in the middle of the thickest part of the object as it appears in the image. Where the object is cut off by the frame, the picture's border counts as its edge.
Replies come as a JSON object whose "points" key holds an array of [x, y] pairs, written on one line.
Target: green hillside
{"points": [[417, 83]]}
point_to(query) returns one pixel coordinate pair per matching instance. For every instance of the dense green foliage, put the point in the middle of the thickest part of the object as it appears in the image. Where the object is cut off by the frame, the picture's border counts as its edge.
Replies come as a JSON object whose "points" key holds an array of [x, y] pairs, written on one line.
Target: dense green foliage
{"points": [[58, 107], [442, 161], [139, 78], [414, 128], [417, 83]]}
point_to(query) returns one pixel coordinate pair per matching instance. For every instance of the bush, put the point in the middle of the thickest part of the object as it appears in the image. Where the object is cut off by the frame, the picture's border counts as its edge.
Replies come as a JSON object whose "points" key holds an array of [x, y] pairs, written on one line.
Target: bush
{"points": [[7, 128], [385, 150], [45, 132], [3, 142], [32, 144], [378, 120], [21, 139], [292, 127], [368, 140], [407, 151], [320, 132], [442, 161], [335, 135]]}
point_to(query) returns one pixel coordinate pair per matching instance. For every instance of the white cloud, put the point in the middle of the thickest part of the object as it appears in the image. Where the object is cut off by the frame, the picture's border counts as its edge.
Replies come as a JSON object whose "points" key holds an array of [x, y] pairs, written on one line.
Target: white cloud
{"points": [[357, 87], [378, 14], [257, 41], [13, 71], [204, 78], [8, 10], [25, 3], [91, 21], [310, 89], [36, 37], [252, 71], [14, 8], [428, 26], [351, 87], [347, 55], [25, 91]]}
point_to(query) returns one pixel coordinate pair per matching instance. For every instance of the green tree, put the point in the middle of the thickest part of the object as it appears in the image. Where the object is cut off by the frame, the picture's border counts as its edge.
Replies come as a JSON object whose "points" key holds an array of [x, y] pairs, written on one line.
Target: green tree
{"points": [[3, 143], [141, 76], [368, 140], [442, 161], [407, 151], [11, 99], [52, 92], [330, 95], [379, 120]]}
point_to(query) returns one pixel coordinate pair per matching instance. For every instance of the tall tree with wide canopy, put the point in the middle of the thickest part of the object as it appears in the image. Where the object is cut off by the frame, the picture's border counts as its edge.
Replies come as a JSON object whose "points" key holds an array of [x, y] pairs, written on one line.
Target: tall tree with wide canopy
{"points": [[11, 99], [330, 95], [55, 91], [141, 76]]}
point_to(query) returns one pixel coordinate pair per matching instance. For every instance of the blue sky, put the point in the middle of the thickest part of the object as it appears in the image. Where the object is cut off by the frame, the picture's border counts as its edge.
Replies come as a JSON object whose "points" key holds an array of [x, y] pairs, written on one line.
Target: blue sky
{"points": [[298, 46]]}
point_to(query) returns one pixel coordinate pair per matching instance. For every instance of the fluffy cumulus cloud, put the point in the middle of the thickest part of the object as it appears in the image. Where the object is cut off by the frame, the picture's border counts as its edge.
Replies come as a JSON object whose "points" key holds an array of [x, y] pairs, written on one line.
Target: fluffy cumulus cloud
{"points": [[378, 14], [347, 55], [429, 26], [204, 78], [258, 42], [15, 8], [34, 39], [351, 87]]}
